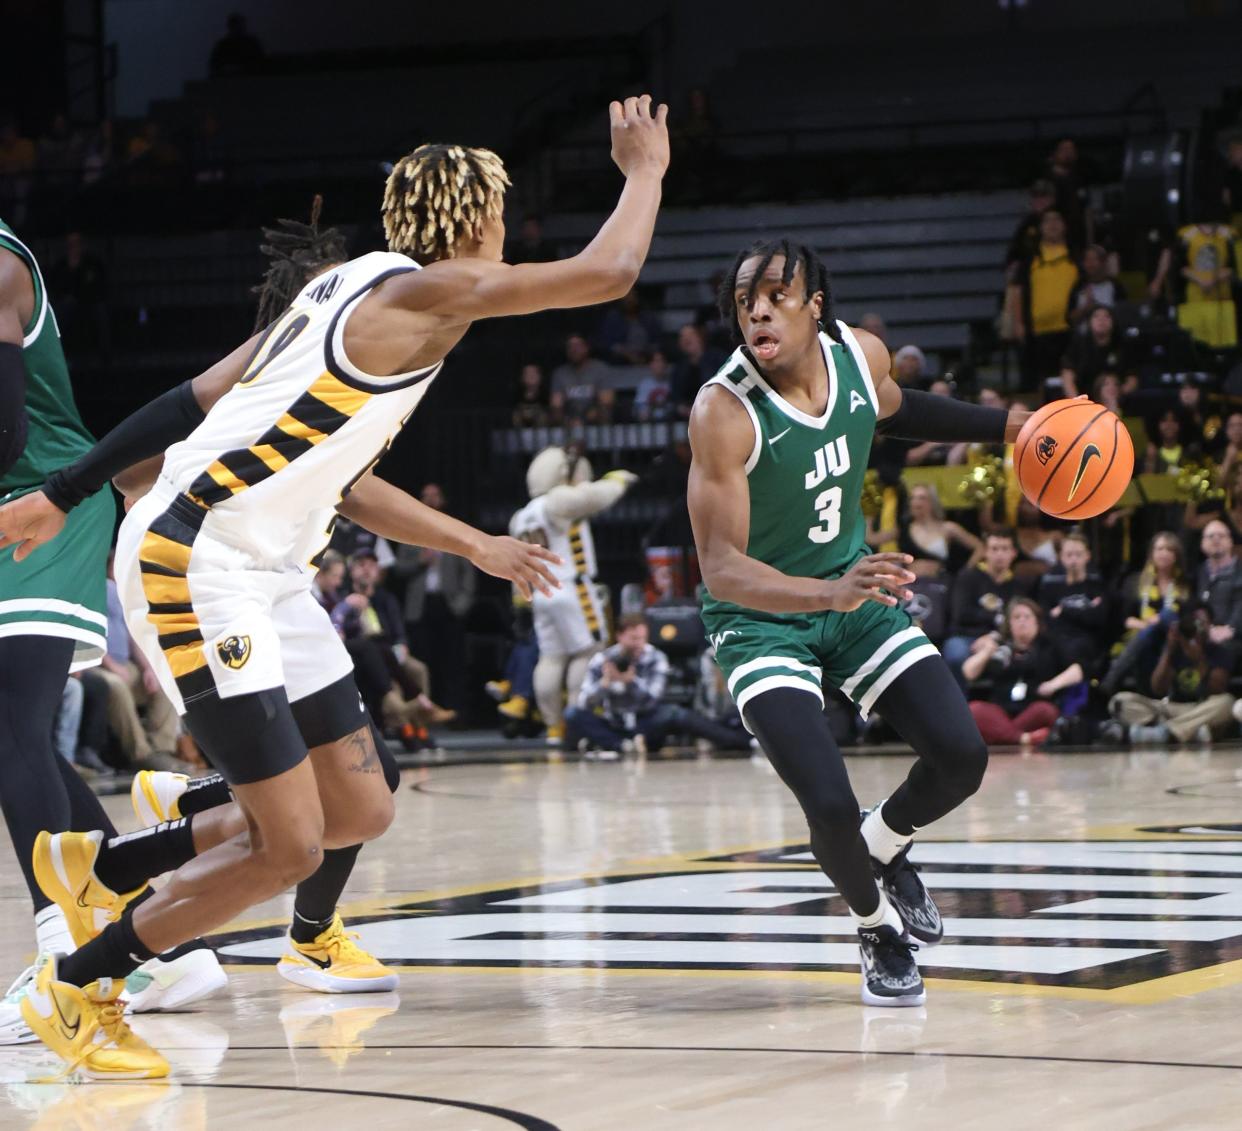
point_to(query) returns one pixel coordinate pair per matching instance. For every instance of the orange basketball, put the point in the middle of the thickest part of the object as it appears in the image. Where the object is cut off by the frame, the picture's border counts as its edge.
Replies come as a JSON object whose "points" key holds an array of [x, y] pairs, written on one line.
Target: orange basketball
{"points": [[1074, 459]]}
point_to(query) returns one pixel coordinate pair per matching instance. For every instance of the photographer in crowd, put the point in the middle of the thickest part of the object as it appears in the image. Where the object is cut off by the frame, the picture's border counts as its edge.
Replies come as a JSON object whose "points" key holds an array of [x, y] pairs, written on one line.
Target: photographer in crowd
{"points": [[1190, 699], [626, 684]]}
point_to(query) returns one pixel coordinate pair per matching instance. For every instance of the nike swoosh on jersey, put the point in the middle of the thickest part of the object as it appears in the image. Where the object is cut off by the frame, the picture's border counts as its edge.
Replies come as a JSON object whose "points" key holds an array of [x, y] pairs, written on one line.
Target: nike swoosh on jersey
{"points": [[773, 439], [1088, 453]]}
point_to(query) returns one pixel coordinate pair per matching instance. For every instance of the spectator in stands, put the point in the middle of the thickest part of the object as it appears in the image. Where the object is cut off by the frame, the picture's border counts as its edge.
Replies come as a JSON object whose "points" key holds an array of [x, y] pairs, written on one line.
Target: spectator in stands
{"points": [[152, 161], [1096, 288], [329, 580], [931, 453], [698, 364], [1218, 586], [1075, 604], [146, 741], [1190, 697], [626, 684], [1027, 668], [628, 331], [78, 285], [1024, 243], [1071, 192], [1106, 390], [1045, 281], [910, 367], [694, 147], [1038, 541], [1205, 256], [1227, 510], [1169, 441], [654, 399], [580, 387], [1229, 443], [926, 535], [530, 246], [439, 593], [98, 152], [17, 162], [874, 324], [1094, 349], [1151, 600], [59, 153], [237, 51], [980, 594], [348, 538], [707, 317], [531, 409]]}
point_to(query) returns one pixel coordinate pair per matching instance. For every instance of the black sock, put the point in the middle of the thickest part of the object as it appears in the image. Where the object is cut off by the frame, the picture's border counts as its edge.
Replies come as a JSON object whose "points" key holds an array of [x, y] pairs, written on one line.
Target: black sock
{"points": [[125, 862], [115, 952], [317, 895], [204, 793]]}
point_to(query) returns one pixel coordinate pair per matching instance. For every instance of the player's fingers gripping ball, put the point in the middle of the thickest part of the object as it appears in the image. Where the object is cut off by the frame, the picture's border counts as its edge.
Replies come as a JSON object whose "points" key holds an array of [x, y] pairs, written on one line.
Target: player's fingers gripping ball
{"points": [[1074, 459]]}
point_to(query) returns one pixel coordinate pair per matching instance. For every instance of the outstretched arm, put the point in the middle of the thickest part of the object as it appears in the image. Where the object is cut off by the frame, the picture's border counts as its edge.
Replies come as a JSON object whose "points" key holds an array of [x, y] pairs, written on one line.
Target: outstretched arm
{"points": [[573, 501], [462, 290], [721, 437], [910, 414], [393, 514]]}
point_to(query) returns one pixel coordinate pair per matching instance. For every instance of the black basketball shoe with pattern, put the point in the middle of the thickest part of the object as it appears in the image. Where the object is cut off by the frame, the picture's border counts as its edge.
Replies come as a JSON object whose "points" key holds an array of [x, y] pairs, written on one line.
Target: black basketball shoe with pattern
{"points": [[904, 888], [889, 974]]}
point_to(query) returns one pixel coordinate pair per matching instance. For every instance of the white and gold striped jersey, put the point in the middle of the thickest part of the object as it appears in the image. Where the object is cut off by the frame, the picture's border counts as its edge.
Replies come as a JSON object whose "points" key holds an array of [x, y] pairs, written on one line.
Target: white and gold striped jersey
{"points": [[279, 450]]}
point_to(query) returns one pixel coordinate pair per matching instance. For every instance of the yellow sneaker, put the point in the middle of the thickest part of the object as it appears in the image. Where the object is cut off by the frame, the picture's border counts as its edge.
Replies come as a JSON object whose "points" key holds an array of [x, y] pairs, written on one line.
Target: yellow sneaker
{"points": [[64, 866], [334, 964], [498, 689], [86, 1028], [515, 707], [154, 795], [556, 734]]}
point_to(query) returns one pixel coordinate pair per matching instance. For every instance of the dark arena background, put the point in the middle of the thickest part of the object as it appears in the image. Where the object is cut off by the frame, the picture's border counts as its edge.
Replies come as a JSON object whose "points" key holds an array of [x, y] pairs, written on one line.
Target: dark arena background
{"points": [[614, 919]]}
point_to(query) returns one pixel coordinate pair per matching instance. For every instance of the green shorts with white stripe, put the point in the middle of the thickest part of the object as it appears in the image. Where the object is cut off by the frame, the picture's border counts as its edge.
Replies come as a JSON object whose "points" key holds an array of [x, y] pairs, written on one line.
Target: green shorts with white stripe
{"points": [[860, 653], [61, 588]]}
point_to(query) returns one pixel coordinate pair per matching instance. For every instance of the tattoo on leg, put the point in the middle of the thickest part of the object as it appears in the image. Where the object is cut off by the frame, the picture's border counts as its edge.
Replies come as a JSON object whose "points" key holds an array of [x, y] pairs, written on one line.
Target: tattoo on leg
{"points": [[365, 756]]}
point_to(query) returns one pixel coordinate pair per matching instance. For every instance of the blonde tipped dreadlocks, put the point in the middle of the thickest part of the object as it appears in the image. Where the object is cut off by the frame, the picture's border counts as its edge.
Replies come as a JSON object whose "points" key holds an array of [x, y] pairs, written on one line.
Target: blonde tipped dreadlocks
{"points": [[296, 253], [439, 195]]}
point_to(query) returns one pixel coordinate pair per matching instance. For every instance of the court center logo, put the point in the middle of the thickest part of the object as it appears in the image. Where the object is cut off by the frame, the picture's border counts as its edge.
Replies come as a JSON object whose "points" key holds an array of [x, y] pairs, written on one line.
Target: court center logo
{"points": [[234, 651], [1092, 914]]}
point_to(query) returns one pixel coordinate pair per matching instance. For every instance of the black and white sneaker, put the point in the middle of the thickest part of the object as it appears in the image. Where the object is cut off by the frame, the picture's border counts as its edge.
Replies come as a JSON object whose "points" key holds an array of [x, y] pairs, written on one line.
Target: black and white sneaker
{"points": [[889, 974], [904, 888]]}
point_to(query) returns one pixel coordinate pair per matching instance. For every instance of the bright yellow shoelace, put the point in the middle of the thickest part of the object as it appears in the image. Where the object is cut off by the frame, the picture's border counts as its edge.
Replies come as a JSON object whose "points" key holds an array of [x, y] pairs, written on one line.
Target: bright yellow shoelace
{"points": [[343, 949]]}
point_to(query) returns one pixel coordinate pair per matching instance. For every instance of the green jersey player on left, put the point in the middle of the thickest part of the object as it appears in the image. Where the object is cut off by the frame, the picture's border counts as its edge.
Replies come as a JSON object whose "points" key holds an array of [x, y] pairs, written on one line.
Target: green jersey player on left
{"points": [[53, 621]]}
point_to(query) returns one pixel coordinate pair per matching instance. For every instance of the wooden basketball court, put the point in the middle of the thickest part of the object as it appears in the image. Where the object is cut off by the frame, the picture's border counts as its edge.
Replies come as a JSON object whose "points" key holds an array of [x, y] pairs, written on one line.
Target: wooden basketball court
{"points": [[647, 946]]}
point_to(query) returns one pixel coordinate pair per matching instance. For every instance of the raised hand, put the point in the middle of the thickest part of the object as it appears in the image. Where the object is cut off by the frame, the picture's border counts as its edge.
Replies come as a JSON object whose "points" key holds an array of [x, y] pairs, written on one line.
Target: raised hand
{"points": [[29, 522], [639, 137], [523, 563], [878, 577]]}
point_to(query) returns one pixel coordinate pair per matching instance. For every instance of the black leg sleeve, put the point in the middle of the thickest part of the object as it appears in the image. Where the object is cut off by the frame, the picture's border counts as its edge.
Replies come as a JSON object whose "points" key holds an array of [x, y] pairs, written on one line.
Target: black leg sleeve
{"points": [[793, 732], [33, 670], [927, 708]]}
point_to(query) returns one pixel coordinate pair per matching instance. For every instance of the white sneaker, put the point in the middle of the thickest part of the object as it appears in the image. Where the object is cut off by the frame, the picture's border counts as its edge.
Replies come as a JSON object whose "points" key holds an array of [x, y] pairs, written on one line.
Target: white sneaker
{"points": [[154, 795], [13, 1027], [158, 985]]}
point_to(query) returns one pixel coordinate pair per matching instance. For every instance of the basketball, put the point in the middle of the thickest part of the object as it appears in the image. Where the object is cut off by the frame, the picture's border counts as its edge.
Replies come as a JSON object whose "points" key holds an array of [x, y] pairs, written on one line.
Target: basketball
{"points": [[1074, 459]]}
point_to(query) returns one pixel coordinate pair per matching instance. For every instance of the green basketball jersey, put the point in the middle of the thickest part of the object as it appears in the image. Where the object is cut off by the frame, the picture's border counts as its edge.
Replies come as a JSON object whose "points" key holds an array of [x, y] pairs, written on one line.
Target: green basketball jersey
{"points": [[56, 434], [805, 474]]}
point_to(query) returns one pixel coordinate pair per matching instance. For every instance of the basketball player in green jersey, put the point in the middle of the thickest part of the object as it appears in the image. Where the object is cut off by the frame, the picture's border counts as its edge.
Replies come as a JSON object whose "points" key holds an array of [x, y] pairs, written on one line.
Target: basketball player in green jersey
{"points": [[53, 619], [780, 439]]}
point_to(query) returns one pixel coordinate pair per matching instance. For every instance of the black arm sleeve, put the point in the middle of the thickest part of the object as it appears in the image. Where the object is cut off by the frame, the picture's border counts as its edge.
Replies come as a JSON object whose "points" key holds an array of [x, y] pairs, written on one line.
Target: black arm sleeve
{"points": [[148, 432], [13, 419], [925, 416]]}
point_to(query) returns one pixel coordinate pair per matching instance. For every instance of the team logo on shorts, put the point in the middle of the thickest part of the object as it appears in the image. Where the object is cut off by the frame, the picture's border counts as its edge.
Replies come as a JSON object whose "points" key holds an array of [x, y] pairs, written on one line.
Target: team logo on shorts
{"points": [[1045, 448], [234, 651]]}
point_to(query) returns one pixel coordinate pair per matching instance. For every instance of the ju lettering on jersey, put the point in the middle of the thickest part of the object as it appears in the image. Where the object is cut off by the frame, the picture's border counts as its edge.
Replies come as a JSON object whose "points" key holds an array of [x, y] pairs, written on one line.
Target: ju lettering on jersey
{"points": [[833, 459]]}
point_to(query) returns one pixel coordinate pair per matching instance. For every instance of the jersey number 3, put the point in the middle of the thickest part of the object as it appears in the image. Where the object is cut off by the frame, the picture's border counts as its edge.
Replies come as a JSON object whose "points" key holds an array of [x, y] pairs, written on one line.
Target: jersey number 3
{"points": [[828, 511]]}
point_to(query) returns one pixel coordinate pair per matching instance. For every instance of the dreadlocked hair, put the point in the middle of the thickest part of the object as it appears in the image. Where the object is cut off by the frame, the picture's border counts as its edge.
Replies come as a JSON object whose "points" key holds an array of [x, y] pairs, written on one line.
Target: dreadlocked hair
{"points": [[438, 195], [814, 278], [295, 252]]}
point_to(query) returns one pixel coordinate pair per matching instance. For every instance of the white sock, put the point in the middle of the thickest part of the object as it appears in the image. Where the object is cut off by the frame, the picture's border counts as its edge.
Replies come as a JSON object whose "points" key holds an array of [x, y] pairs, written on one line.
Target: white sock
{"points": [[885, 914], [52, 932], [882, 842]]}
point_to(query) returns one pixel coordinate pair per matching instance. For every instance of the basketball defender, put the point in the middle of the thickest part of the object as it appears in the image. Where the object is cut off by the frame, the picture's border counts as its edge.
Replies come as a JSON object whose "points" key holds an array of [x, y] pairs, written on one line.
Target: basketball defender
{"points": [[52, 623], [570, 623], [780, 439], [213, 564]]}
